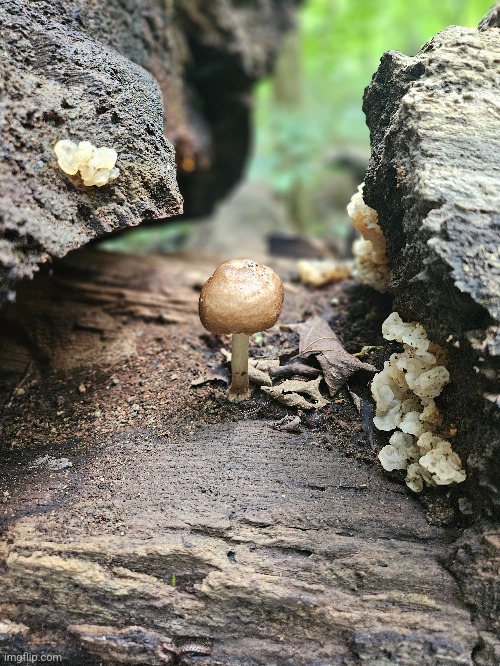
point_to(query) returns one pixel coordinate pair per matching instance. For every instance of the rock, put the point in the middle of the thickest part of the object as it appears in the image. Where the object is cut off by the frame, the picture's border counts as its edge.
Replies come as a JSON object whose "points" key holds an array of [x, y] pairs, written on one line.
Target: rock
{"points": [[433, 178]]}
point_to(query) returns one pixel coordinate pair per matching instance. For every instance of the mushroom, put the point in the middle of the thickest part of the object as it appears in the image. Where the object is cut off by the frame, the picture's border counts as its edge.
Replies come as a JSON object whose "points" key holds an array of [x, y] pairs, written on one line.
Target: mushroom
{"points": [[241, 297]]}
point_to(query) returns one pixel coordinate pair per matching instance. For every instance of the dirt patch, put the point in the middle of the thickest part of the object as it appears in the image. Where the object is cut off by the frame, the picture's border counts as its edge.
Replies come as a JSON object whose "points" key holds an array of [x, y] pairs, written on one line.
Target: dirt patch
{"points": [[158, 357]]}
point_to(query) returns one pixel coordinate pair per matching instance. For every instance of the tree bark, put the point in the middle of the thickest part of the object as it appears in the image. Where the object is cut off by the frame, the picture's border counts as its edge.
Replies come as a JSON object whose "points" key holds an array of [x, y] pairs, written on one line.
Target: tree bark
{"points": [[433, 179], [140, 77]]}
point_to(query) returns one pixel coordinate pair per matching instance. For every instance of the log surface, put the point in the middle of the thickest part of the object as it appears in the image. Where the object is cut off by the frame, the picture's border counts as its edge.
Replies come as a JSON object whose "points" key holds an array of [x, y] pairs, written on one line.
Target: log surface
{"points": [[185, 520], [433, 179], [61, 81], [434, 121]]}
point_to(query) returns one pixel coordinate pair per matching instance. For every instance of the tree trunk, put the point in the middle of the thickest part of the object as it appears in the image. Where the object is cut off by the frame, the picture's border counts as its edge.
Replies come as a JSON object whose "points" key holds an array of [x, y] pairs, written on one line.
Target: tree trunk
{"points": [[433, 179], [288, 96]]}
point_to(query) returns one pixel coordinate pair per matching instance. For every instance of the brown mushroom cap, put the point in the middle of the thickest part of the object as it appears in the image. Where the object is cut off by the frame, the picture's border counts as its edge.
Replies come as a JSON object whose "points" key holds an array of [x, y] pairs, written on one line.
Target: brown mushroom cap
{"points": [[241, 297]]}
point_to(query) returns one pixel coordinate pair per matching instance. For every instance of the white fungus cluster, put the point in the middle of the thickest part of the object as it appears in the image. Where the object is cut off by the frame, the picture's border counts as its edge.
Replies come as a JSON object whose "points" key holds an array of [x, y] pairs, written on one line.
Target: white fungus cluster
{"points": [[404, 393], [318, 272], [96, 165], [371, 263]]}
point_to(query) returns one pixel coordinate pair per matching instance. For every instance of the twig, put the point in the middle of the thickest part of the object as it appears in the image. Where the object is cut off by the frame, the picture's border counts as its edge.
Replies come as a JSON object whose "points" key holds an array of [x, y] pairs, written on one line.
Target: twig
{"points": [[8, 404]]}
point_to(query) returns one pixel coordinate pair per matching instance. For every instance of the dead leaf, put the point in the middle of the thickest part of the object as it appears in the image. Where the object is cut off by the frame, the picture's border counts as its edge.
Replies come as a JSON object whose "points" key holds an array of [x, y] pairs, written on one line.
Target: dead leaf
{"points": [[316, 337], [219, 373], [288, 393], [294, 368], [258, 368], [288, 424]]}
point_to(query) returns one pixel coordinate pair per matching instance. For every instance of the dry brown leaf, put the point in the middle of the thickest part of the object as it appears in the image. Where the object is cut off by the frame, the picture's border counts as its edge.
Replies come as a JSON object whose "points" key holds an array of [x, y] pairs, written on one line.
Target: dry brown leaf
{"points": [[258, 368], [218, 373], [294, 368], [288, 393], [316, 337], [288, 424]]}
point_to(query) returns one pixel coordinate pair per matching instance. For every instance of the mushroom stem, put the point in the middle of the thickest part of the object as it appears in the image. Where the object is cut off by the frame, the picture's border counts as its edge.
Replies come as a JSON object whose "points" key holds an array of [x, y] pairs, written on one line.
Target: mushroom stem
{"points": [[239, 389]]}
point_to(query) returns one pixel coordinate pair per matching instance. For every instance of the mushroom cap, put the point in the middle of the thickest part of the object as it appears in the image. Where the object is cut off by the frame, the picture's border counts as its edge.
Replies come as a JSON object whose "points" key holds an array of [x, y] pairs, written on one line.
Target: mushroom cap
{"points": [[241, 297]]}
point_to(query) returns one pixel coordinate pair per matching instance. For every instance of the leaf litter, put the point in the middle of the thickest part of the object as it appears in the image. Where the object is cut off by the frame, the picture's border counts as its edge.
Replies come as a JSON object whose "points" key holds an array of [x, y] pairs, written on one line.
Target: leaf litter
{"points": [[289, 393], [317, 341]]}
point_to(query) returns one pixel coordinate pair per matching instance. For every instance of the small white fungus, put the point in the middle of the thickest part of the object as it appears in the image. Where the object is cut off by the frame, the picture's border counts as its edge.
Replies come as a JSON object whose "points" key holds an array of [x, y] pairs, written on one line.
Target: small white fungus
{"points": [[441, 461], [404, 394], [371, 262], [318, 272], [400, 450], [96, 165]]}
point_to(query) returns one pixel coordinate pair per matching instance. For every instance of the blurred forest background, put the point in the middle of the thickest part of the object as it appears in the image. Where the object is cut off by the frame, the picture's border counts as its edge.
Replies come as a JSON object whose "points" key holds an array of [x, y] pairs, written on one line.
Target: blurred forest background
{"points": [[311, 144]]}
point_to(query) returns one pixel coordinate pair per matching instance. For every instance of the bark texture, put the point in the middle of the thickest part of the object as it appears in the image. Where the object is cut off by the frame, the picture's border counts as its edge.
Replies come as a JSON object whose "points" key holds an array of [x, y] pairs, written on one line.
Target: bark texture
{"points": [[60, 81], [153, 522], [433, 178], [99, 71]]}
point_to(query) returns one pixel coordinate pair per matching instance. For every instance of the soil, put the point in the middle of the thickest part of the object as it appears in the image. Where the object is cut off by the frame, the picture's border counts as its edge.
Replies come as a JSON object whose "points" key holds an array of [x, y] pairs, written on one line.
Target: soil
{"points": [[151, 385]]}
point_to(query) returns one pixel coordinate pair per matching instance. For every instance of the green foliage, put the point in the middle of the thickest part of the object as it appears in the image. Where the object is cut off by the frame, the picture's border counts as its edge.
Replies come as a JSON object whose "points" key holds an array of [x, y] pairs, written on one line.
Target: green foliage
{"points": [[149, 239], [341, 43]]}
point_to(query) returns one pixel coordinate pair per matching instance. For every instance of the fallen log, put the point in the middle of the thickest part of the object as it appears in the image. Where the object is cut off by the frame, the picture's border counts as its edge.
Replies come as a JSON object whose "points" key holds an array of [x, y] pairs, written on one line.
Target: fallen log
{"points": [[148, 520], [142, 78], [433, 179]]}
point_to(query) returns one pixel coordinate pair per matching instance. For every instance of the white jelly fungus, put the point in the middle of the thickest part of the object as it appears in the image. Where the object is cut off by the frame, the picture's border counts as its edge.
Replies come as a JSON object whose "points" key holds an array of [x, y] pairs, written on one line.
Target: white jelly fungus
{"points": [[404, 394], [371, 265], [96, 165]]}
